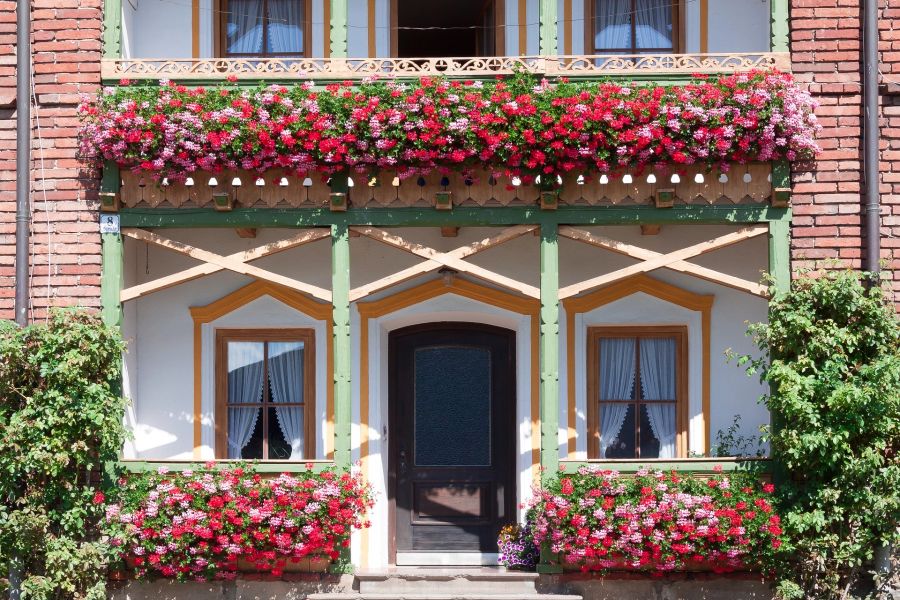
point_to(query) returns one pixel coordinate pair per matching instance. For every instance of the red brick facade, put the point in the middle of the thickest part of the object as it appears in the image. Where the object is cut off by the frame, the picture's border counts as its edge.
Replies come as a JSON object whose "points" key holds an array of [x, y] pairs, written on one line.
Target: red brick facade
{"points": [[826, 46], [66, 54]]}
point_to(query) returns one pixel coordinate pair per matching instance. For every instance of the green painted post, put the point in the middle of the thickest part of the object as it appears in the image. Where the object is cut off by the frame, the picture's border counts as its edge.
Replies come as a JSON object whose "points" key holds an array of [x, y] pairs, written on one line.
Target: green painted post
{"points": [[112, 28], [780, 31], [549, 364], [780, 255], [548, 28], [340, 290], [338, 28], [111, 278]]}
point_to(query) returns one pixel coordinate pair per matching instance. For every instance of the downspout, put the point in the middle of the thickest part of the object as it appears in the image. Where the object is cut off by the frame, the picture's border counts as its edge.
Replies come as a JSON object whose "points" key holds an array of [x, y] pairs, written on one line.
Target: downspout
{"points": [[23, 156], [871, 137]]}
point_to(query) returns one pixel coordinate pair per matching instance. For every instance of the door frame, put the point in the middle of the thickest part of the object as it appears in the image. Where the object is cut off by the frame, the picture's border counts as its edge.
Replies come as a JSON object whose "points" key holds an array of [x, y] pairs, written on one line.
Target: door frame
{"points": [[510, 474]]}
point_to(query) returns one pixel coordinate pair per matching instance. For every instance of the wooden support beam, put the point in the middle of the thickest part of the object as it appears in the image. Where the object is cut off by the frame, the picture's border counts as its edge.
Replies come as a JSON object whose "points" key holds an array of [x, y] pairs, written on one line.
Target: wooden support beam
{"points": [[143, 289], [650, 229], [449, 232], [228, 263], [111, 277], [657, 261], [246, 232], [780, 255], [432, 265], [447, 259]]}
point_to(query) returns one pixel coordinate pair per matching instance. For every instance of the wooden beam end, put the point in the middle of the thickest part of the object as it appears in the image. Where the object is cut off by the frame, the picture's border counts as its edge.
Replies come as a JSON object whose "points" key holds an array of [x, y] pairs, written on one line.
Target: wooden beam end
{"points": [[449, 232], [246, 232]]}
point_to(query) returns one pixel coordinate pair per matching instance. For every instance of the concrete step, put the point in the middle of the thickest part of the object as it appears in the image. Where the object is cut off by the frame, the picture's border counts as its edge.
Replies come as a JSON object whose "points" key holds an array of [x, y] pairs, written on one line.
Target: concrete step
{"points": [[419, 580], [442, 596]]}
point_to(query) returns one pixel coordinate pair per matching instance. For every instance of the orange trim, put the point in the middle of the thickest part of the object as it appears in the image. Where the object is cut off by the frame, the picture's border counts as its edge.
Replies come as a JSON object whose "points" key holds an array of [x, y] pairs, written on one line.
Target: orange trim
{"points": [[372, 49], [326, 21], [523, 27], [704, 26], [421, 293], [195, 28], [622, 289], [567, 27], [241, 297]]}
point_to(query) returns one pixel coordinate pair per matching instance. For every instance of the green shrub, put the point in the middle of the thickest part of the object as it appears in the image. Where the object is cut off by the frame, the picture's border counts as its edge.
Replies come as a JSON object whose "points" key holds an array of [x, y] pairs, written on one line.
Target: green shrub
{"points": [[831, 357], [60, 422]]}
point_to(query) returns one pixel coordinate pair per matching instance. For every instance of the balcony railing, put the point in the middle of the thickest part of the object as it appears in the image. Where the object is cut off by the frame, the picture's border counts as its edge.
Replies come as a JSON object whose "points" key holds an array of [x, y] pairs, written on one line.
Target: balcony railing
{"points": [[632, 65]]}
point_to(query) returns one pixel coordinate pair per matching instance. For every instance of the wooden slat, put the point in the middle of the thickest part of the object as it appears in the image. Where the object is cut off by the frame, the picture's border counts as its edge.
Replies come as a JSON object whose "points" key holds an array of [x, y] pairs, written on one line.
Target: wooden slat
{"points": [[707, 274], [448, 259], [432, 265], [659, 260], [227, 262]]}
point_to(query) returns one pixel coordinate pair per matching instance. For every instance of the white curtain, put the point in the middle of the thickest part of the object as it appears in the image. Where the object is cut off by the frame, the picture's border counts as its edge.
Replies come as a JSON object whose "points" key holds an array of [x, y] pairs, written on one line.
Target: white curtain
{"points": [[245, 26], [612, 24], [653, 24], [617, 366], [286, 377], [658, 383], [245, 386], [285, 26]]}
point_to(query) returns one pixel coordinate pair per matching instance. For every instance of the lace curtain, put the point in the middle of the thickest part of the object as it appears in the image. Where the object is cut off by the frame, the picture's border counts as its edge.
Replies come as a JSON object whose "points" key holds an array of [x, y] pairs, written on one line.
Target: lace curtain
{"points": [[613, 20], [244, 31], [658, 383], [612, 24], [286, 378], [617, 367], [653, 24], [245, 386], [285, 26]]}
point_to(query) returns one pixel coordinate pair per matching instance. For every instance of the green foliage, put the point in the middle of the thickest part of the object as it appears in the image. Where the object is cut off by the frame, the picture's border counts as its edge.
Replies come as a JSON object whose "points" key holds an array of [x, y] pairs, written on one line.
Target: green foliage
{"points": [[831, 357], [60, 422], [731, 442]]}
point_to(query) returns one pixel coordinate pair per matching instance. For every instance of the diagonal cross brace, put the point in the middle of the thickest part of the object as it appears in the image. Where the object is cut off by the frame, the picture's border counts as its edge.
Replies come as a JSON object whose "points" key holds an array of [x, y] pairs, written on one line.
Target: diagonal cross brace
{"points": [[216, 262], [452, 259], [655, 260]]}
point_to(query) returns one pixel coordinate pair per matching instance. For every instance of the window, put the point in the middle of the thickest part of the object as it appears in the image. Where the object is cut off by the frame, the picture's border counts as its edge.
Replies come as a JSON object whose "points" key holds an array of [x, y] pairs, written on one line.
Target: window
{"points": [[632, 26], [447, 28], [263, 28], [265, 394], [637, 379]]}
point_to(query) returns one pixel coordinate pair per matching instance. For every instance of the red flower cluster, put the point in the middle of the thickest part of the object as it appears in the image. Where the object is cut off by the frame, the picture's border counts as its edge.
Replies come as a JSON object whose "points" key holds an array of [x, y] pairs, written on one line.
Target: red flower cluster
{"points": [[657, 522], [519, 126], [198, 525]]}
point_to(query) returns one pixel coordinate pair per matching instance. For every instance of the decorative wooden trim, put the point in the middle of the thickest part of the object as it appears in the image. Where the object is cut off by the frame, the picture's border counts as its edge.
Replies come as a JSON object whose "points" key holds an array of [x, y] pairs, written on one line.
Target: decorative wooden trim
{"points": [[220, 419], [227, 263], [307, 68], [682, 266], [202, 315], [680, 332], [143, 289], [664, 260], [652, 287]]}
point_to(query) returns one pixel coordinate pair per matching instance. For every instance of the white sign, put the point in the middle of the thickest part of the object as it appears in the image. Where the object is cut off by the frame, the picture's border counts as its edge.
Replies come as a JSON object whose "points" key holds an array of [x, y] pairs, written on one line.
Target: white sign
{"points": [[109, 223]]}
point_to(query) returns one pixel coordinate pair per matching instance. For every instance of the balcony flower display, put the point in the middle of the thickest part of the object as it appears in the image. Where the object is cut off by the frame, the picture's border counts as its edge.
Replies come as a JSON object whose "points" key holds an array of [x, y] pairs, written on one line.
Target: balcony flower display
{"points": [[520, 126], [198, 525], [658, 522]]}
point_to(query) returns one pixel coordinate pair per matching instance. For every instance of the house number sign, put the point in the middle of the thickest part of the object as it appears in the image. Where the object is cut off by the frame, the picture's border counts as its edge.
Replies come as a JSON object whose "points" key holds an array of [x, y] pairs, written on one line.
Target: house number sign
{"points": [[109, 223]]}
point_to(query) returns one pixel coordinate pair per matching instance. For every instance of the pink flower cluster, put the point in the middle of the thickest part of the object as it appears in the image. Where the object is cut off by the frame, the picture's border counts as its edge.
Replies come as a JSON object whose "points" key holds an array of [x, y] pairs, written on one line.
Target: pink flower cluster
{"points": [[657, 522], [198, 525], [518, 126]]}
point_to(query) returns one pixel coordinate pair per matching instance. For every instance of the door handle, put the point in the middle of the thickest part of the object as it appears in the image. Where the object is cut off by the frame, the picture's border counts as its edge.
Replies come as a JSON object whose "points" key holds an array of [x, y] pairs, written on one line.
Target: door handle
{"points": [[402, 466]]}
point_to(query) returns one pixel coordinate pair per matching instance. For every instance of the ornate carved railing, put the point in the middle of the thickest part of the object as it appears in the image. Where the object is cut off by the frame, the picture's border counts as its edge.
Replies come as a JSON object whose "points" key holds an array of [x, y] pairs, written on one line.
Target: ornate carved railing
{"points": [[650, 65]]}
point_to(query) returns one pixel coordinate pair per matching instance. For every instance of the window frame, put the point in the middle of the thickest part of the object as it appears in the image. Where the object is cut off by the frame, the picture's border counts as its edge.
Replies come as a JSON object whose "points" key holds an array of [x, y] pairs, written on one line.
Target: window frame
{"points": [[678, 35], [305, 335], [594, 334], [221, 38]]}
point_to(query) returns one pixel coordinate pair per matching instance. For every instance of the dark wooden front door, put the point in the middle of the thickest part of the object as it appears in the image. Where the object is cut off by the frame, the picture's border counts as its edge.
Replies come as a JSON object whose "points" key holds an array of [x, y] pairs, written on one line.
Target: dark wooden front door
{"points": [[452, 450]]}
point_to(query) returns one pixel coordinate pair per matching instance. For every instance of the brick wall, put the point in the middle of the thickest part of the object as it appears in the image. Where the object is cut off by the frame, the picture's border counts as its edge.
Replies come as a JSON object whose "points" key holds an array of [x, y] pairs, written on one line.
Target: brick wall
{"points": [[826, 46], [65, 244]]}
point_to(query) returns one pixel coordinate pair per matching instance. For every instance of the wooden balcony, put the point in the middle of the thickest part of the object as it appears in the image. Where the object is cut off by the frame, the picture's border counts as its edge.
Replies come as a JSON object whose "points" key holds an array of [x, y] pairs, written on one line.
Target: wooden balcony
{"points": [[636, 66]]}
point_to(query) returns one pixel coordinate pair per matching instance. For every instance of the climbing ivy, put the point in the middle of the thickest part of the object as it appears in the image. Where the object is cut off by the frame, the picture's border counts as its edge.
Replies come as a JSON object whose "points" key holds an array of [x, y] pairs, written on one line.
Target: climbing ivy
{"points": [[61, 420], [831, 356]]}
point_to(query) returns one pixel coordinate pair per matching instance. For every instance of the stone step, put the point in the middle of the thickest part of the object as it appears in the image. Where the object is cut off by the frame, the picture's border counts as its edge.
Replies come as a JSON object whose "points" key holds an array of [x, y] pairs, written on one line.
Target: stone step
{"points": [[441, 596], [447, 581]]}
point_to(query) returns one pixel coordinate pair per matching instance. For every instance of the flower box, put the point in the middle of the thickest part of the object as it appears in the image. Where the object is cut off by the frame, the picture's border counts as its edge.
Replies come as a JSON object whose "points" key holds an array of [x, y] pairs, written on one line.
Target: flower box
{"points": [[306, 564]]}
